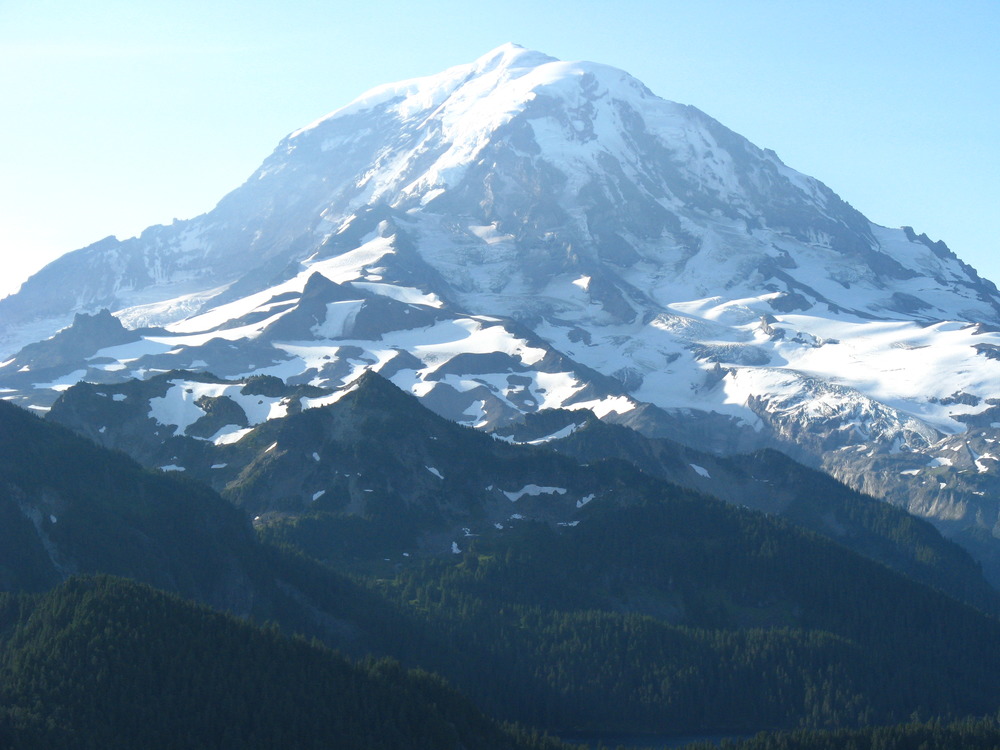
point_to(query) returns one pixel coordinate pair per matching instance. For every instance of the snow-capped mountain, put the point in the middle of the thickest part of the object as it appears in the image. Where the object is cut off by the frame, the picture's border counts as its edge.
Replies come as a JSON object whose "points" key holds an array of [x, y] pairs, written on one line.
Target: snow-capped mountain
{"points": [[522, 233]]}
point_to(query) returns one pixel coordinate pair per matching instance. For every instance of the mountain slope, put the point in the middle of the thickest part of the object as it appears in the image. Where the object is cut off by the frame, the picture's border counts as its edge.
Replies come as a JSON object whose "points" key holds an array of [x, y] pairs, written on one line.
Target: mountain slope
{"points": [[630, 173], [755, 603], [609, 570], [103, 662], [771, 482], [421, 482], [74, 508], [521, 233], [70, 508]]}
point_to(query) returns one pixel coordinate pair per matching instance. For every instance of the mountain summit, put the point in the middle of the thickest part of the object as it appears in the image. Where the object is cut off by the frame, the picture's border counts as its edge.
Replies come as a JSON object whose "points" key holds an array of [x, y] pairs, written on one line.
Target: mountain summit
{"points": [[522, 233], [549, 167]]}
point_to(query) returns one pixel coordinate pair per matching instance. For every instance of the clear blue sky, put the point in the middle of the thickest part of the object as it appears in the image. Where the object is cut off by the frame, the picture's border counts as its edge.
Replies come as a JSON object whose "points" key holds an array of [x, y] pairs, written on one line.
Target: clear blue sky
{"points": [[120, 114]]}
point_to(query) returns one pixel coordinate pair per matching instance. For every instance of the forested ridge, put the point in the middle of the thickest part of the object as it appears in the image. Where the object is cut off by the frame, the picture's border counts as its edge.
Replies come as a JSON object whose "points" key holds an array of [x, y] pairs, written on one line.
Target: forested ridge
{"points": [[108, 663], [978, 733], [657, 610], [737, 623], [773, 482]]}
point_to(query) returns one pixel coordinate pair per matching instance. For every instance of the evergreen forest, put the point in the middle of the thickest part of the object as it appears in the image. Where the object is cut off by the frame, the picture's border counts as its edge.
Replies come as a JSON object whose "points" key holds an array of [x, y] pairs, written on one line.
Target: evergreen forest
{"points": [[145, 610]]}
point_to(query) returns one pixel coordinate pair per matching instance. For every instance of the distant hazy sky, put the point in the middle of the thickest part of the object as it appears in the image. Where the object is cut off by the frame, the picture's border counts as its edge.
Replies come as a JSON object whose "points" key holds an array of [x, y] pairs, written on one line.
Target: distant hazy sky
{"points": [[119, 114]]}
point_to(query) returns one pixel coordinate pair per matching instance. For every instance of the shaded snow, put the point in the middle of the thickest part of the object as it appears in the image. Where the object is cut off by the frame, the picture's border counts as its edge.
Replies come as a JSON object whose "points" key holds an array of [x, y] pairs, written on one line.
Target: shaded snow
{"points": [[701, 471], [64, 383], [533, 490]]}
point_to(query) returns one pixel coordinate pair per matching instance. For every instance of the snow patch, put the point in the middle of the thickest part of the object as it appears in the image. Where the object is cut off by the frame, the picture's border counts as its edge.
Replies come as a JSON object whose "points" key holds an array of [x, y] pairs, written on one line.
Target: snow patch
{"points": [[701, 471], [339, 318], [557, 435], [230, 434], [533, 490], [407, 294], [315, 403], [64, 383]]}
